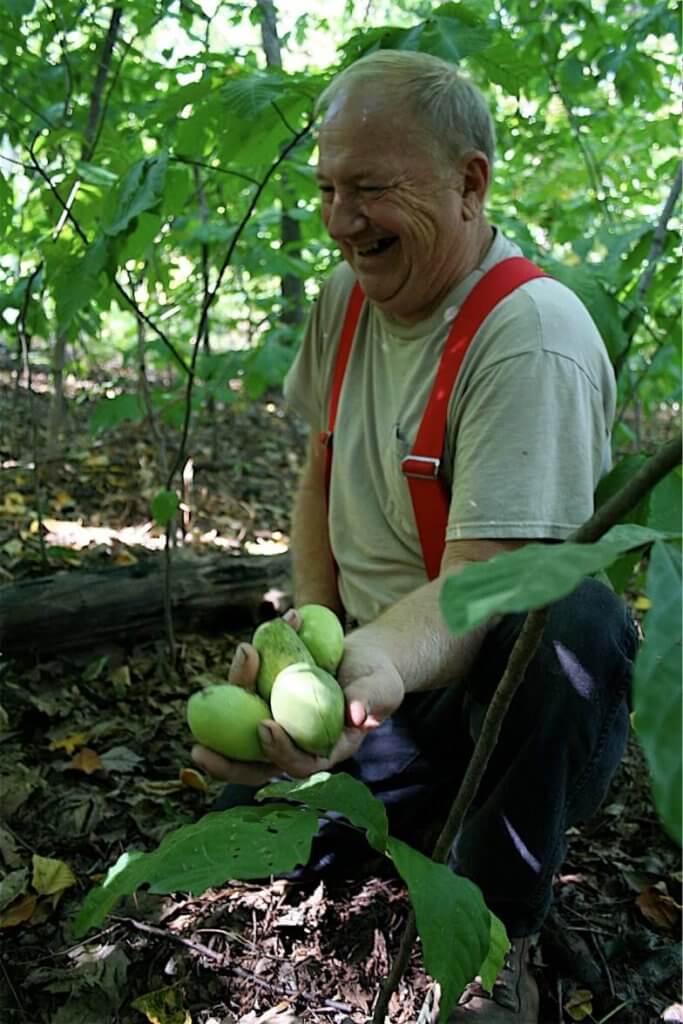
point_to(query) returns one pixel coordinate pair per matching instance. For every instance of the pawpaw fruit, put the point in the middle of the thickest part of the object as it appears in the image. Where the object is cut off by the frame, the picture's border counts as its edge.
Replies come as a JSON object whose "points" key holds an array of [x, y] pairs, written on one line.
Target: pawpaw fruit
{"points": [[323, 634], [224, 718], [308, 703], [278, 645]]}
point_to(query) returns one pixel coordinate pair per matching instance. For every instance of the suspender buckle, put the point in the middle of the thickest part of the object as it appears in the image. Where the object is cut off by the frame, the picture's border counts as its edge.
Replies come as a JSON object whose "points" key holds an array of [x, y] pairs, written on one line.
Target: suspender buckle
{"points": [[421, 466]]}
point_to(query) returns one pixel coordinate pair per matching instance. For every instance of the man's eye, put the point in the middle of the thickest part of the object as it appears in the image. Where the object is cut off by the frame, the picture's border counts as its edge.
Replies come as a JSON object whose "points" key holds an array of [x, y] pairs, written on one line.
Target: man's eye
{"points": [[373, 188], [326, 190]]}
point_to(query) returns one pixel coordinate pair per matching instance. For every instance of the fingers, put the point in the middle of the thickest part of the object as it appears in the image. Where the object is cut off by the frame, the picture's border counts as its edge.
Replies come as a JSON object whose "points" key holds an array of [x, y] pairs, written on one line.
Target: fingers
{"points": [[289, 758], [244, 667], [293, 619], [246, 773]]}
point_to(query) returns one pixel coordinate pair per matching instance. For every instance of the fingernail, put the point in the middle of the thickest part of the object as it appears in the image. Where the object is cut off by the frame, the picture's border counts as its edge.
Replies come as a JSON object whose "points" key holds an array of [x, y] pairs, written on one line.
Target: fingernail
{"points": [[265, 735], [240, 655], [290, 615]]}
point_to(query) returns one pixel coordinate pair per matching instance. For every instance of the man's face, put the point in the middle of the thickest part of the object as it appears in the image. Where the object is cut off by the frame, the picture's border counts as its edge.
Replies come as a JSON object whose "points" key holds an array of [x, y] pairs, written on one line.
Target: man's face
{"points": [[395, 210]]}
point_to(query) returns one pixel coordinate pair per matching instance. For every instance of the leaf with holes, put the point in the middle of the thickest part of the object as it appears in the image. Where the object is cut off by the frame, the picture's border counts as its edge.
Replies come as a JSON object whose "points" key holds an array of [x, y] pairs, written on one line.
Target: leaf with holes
{"points": [[243, 842]]}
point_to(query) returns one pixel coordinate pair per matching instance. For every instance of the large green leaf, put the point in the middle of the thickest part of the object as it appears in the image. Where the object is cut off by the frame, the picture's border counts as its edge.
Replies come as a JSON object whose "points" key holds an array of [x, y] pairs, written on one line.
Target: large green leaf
{"points": [[453, 922], [665, 512], [243, 842], [141, 190], [77, 281], [531, 577], [340, 793], [657, 685]]}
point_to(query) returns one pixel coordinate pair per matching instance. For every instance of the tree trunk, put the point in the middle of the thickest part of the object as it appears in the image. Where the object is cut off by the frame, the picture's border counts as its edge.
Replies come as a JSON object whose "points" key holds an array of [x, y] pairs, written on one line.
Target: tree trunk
{"points": [[84, 609]]}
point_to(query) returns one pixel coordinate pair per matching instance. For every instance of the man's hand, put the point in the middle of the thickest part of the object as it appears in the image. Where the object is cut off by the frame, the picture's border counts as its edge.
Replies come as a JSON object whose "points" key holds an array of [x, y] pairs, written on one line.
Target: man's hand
{"points": [[373, 690]]}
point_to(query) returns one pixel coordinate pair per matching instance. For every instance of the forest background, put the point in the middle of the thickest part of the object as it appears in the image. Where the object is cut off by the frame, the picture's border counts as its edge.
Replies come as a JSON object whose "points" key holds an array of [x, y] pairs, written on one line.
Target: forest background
{"points": [[160, 245]]}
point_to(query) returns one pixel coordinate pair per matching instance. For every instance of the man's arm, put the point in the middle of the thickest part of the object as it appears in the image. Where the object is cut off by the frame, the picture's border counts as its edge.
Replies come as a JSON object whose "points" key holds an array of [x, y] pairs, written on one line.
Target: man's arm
{"points": [[313, 568]]}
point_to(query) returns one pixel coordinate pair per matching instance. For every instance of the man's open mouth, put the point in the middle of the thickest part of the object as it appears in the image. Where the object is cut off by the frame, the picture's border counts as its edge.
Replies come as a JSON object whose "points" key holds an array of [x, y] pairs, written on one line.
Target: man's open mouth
{"points": [[381, 245]]}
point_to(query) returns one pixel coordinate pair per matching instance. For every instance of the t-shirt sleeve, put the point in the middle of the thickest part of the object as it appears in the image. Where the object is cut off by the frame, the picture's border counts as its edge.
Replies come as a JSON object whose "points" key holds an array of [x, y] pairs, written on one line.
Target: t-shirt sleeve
{"points": [[302, 385], [529, 449]]}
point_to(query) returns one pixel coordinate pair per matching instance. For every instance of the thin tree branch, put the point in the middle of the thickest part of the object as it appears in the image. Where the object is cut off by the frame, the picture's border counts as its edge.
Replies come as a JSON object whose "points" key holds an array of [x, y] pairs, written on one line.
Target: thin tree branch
{"points": [[211, 297], [216, 170], [654, 470], [636, 315], [104, 64]]}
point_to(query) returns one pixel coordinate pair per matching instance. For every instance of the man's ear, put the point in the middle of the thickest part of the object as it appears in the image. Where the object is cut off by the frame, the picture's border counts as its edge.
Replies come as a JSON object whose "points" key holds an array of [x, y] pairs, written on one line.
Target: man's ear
{"points": [[476, 173]]}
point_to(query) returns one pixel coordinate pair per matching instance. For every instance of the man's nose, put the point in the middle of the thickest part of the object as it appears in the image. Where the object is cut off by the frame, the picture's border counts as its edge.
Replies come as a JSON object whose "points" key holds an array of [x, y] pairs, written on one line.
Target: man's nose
{"points": [[345, 217]]}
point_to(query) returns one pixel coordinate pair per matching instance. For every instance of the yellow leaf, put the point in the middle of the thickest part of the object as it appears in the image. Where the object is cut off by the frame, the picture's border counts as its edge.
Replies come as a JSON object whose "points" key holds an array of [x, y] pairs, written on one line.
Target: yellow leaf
{"points": [[19, 911], [86, 760], [164, 1006], [120, 676], [63, 500], [14, 503], [124, 557], [580, 1004], [50, 876], [642, 603], [69, 743], [193, 780], [96, 461]]}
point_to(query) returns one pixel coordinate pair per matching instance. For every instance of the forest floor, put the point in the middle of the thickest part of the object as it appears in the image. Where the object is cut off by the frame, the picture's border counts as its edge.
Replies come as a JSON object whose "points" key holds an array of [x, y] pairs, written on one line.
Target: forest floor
{"points": [[94, 759]]}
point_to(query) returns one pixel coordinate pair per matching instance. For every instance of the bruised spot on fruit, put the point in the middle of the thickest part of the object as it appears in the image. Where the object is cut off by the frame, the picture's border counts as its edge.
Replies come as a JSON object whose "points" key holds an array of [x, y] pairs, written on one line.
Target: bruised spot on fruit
{"points": [[225, 718], [278, 645], [309, 705]]}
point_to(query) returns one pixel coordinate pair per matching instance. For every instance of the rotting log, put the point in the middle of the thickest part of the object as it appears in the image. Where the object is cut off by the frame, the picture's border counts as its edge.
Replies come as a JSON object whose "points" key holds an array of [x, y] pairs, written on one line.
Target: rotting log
{"points": [[79, 609]]}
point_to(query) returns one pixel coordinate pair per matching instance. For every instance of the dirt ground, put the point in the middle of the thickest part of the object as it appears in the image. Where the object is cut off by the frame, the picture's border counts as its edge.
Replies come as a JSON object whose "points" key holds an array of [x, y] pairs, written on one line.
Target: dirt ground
{"points": [[92, 752]]}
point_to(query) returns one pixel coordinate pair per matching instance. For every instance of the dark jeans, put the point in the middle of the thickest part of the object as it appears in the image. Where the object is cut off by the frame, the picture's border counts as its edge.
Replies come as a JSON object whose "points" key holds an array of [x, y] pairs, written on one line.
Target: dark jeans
{"points": [[559, 747]]}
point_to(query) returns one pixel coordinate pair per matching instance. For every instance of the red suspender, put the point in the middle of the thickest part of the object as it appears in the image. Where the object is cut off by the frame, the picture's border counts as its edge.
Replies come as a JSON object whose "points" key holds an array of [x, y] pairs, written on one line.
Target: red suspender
{"points": [[353, 311], [421, 467]]}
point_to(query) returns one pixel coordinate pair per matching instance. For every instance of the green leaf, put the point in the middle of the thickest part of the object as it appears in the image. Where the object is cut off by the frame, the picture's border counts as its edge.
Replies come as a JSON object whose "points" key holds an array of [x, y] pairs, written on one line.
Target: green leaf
{"points": [[498, 948], [657, 694], [243, 842], [164, 507], [109, 412], [452, 920], [77, 281], [531, 577], [341, 793], [665, 512], [141, 190], [95, 175], [6, 206]]}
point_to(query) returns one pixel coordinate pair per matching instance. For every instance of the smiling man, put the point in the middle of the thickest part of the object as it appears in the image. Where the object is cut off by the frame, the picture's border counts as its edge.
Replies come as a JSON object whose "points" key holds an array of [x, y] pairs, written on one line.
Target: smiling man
{"points": [[464, 401]]}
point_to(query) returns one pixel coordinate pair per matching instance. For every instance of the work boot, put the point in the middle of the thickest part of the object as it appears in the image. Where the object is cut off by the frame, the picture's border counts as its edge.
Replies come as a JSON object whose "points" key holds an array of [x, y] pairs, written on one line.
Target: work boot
{"points": [[514, 999]]}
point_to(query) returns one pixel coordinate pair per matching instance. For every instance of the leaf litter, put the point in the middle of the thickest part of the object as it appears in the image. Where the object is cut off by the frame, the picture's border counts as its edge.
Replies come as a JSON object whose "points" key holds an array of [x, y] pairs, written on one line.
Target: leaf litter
{"points": [[94, 760]]}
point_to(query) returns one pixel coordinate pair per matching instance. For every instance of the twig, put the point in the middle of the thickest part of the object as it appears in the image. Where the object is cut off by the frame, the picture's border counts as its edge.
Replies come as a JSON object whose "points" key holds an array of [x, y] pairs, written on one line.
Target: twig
{"points": [[523, 651], [25, 352], [656, 249], [104, 63], [210, 167]]}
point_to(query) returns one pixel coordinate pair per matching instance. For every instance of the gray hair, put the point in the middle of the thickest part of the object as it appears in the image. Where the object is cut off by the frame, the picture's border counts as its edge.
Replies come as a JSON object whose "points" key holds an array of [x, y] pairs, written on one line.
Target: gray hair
{"points": [[452, 110]]}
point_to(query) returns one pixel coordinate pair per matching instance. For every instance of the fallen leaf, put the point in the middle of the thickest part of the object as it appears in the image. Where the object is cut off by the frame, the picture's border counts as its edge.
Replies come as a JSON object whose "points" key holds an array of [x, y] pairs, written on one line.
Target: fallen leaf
{"points": [[580, 1004], [70, 743], [165, 1006], [51, 876], [87, 761], [12, 886], [13, 504], [658, 907], [193, 780], [19, 912]]}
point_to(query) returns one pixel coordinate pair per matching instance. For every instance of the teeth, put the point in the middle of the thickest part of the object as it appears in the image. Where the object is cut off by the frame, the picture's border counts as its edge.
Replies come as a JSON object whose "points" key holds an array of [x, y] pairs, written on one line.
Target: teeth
{"points": [[371, 248]]}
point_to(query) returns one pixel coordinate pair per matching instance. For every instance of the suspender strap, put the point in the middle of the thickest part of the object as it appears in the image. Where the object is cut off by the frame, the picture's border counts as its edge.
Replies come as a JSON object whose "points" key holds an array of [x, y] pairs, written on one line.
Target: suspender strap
{"points": [[431, 499], [353, 311]]}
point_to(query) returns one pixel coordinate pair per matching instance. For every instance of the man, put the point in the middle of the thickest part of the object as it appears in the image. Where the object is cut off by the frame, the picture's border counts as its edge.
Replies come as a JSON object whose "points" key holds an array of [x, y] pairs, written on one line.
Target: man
{"points": [[405, 157]]}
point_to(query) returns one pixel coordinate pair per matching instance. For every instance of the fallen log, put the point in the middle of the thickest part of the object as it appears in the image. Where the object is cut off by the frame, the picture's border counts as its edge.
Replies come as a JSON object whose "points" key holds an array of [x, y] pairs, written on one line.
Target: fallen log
{"points": [[80, 609]]}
